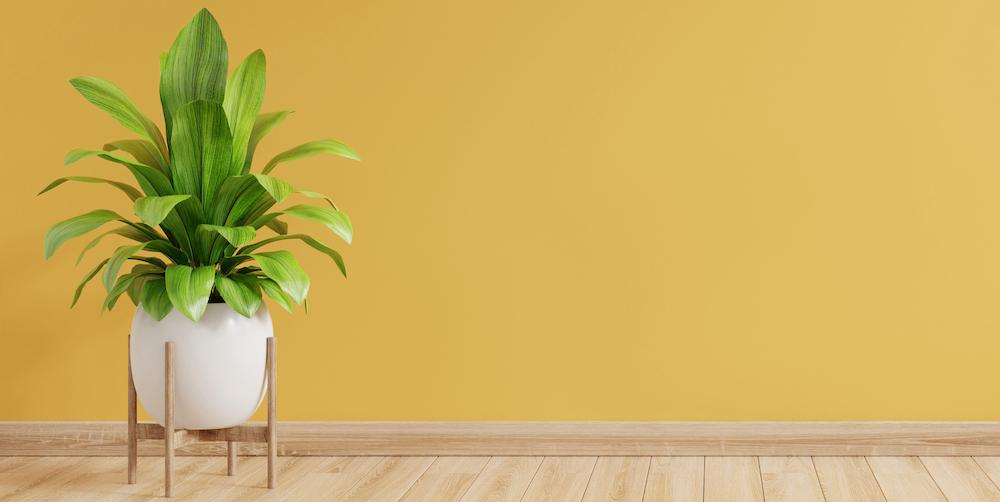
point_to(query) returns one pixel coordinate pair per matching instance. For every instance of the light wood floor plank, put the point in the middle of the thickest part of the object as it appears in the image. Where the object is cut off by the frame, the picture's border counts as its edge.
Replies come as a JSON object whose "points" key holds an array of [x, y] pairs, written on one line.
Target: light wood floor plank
{"points": [[991, 465], [504, 479], [790, 479], [562, 479], [675, 479], [617, 479], [332, 480], [389, 480], [847, 479], [961, 479], [732, 479], [447, 479], [904, 479]]}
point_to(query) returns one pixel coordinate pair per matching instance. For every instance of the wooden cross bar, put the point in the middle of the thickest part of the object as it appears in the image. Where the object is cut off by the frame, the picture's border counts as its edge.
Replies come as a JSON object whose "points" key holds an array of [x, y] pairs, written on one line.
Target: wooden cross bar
{"points": [[173, 439]]}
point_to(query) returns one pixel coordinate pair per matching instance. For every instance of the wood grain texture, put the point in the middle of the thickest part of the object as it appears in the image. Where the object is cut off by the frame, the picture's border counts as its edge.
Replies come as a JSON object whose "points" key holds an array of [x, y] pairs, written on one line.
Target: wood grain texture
{"points": [[731, 479], [168, 419], [847, 479], [904, 479], [446, 480], [561, 479], [499, 479], [675, 479], [272, 414], [541, 438], [389, 480], [132, 437], [961, 479], [790, 479], [617, 479], [504, 479], [991, 466]]}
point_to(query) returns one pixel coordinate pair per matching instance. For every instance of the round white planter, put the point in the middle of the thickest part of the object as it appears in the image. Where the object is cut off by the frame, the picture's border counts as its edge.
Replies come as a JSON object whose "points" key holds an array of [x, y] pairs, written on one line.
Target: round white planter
{"points": [[218, 365]]}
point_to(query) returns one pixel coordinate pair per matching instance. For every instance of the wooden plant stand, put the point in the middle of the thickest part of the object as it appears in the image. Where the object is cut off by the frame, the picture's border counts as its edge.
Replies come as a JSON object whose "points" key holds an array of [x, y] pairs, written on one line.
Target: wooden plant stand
{"points": [[173, 438]]}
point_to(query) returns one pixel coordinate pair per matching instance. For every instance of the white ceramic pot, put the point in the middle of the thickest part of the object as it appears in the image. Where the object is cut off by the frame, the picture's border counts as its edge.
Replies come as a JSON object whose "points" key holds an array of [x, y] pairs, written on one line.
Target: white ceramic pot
{"points": [[218, 365]]}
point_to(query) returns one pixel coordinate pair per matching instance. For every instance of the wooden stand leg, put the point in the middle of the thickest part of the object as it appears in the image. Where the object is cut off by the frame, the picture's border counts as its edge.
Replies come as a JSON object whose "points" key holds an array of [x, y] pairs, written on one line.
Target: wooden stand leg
{"points": [[272, 418], [168, 414], [133, 443], [231, 465]]}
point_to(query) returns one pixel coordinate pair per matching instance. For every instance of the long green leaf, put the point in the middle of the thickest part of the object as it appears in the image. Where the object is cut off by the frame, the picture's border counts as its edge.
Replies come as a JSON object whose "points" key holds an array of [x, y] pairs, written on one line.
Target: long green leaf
{"points": [[240, 292], [76, 226], [151, 180], [202, 150], [169, 250], [317, 195], [154, 209], [118, 259], [108, 97], [132, 192], [335, 220], [134, 290], [235, 236], [90, 275], [141, 150], [263, 125], [310, 149], [195, 68], [189, 289], [154, 299], [315, 244], [282, 267], [244, 95], [274, 291], [126, 231], [121, 286]]}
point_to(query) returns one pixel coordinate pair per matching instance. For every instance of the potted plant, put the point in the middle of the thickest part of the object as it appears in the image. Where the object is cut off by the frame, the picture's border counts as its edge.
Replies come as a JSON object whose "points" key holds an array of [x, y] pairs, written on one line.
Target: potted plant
{"points": [[198, 266]]}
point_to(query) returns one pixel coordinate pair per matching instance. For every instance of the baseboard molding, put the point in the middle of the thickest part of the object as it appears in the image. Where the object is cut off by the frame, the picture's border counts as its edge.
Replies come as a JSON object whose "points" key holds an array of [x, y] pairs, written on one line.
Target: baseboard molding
{"points": [[539, 438]]}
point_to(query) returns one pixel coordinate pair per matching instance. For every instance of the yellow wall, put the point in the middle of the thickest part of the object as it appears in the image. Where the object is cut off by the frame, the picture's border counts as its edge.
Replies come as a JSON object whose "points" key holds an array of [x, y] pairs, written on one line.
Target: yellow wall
{"points": [[642, 209]]}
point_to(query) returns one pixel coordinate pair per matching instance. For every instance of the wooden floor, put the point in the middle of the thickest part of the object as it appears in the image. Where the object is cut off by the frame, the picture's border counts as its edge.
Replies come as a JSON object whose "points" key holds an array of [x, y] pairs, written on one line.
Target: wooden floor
{"points": [[497, 479]]}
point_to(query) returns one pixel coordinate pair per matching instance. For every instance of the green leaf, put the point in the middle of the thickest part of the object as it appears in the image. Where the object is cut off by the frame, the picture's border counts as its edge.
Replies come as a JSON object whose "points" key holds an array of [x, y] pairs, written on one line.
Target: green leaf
{"points": [[240, 292], [278, 189], [274, 291], [195, 68], [65, 230], [315, 244], [141, 150], [282, 267], [335, 220], [132, 192], [90, 275], [263, 125], [236, 236], [310, 149], [118, 259], [108, 97], [279, 227], [168, 250], [244, 95], [134, 290], [154, 299], [125, 231], [202, 150], [189, 288], [123, 284], [151, 180], [317, 195], [154, 209]]}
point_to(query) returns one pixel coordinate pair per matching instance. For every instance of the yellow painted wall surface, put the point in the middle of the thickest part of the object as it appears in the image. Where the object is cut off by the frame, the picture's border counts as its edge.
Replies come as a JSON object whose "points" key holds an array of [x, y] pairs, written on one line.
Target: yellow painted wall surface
{"points": [[641, 209]]}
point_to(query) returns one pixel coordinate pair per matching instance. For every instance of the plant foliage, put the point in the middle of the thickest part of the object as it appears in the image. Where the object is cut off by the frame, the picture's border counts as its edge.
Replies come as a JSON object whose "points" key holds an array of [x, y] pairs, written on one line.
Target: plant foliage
{"points": [[198, 208]]}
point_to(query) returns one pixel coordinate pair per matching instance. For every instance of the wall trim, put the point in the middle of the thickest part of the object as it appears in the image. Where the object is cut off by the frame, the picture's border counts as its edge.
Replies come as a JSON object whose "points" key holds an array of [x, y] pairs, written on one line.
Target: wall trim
{"points": [[538, 438]]}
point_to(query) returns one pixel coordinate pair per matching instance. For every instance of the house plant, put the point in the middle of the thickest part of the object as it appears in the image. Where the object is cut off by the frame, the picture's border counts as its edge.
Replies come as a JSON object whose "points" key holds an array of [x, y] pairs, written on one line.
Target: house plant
{"points": [[198, 266]]}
